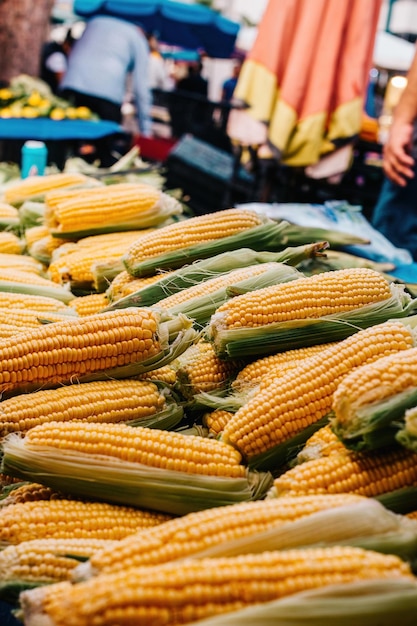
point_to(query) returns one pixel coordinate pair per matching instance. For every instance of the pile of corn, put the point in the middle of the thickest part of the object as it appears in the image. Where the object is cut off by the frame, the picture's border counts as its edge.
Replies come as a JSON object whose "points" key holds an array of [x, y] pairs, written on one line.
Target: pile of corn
{"points": [[203, 420]]}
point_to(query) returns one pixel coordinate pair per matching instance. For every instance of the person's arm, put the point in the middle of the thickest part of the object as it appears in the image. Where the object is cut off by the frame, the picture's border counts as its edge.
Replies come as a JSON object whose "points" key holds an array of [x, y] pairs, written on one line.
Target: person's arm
{"points": [[141, 87], [398, 162]]}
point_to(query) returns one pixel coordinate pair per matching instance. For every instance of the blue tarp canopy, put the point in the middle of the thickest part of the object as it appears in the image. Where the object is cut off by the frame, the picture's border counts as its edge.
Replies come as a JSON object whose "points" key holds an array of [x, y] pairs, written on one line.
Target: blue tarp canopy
{"points": [[189, 26]]}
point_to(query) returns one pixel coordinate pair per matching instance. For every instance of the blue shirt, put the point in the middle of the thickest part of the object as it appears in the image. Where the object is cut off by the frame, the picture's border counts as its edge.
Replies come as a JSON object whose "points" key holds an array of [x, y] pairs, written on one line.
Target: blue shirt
{"points": [[100, 61]]}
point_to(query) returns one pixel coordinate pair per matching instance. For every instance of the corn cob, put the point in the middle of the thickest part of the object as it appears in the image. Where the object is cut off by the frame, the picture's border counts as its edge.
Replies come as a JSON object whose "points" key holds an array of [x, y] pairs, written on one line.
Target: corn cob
{"points": [[369, 405], [11, 243], [216, 420], [204, 587], [36, 186], [9, 216], [374, 474], [139, 466], [281, 317], [76, 264], [43, 247], [117, 207], [199, 369], [43, 561], [90, 304], [289, 408], [69, 519], [198, 237], [125, 284], [217, 529], [24, 319], [13, 300], [275, 364], [106, 401], [117, 343], [28, 492]]}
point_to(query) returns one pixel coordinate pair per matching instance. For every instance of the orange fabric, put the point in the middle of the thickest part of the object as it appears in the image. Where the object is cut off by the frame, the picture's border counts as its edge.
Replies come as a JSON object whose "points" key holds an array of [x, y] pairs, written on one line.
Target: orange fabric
{"points": [[313, 58]]}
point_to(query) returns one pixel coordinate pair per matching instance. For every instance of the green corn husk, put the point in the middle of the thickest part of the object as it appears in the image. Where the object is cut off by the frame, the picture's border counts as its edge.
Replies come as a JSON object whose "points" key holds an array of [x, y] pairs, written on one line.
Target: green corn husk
{"points": [[363, 603], [337, 260], [407, 434], [32, 214], [135, 484], [205, 269], [200, 308], [62, 294], [269, 236], [281, 336]]}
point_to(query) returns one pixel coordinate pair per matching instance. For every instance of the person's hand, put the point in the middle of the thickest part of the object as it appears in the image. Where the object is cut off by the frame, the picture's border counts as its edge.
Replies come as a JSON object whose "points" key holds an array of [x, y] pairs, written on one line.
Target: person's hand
{"points": [[398, 163]]}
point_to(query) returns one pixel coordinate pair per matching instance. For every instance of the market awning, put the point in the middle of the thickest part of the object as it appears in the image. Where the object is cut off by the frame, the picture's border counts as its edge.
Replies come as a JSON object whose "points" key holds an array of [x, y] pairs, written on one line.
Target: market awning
{"points": [[190, 26]]}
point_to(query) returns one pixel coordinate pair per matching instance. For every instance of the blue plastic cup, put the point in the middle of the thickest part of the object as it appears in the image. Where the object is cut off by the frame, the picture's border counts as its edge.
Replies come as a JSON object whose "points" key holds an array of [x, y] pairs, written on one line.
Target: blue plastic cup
{"points": [[34, 158]]}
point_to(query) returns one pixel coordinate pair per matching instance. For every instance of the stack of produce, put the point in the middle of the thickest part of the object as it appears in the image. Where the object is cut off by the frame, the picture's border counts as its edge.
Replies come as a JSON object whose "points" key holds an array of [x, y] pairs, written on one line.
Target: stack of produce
{"points": [[222, 412]]}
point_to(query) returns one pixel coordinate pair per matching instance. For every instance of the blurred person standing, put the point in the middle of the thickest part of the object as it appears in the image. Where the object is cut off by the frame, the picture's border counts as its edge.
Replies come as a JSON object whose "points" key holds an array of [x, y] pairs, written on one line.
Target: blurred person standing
{"points": [[158, 75], [229, 85], [54, 61], [395, 213], [107, 53]]}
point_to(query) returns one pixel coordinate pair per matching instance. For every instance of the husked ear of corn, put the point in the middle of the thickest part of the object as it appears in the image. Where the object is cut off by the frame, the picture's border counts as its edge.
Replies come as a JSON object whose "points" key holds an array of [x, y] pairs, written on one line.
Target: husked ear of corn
{"points": [[70, 519], [200, 237], [310, 310], [288, 409], [10, 243], [248, 527], [27, 282], [369, 405], [199, 588], [37, 186], [323, 442], [9, 217], [43, 561], [151, 468], [216, 420], [28, 492], [117, 207], [124, 284], [380, 474], [21, 261], [107, 401], [89, 304], [17, 321], [17, 300], [115, 344]]}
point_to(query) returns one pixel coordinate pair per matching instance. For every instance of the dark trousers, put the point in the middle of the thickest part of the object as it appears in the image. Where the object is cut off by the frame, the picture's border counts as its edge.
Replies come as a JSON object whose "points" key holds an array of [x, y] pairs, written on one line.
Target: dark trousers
{"points": [[106, 110]]}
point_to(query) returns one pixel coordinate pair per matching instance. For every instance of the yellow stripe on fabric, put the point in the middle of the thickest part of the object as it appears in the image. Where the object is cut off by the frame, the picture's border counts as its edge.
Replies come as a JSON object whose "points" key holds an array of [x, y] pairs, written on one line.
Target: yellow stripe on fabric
{"points": [[258, 88], [346, 120]]}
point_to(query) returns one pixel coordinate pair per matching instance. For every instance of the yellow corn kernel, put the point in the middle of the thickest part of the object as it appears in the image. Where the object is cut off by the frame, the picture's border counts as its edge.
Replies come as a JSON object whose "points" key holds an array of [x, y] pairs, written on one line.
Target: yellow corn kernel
{"points": [[190, 232], [200, 369], [147, 446], [315, 296], [8, 211], [193, 533], [34, 186], [323, 442], [11, 243], [289, 404], [216, 421], [103, 401], [371, 474], [374, 382], [41, 561], [277, 364], [198, 588], [26, 278], [22, 319], [114, 204], [70, 519], [64, 350], [12, 300], [90, 304]]}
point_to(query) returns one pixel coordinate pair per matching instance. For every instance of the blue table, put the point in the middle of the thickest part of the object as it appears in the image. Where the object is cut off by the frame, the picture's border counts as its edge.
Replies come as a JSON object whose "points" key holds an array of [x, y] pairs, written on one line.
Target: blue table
{"points": [[45, 129]]}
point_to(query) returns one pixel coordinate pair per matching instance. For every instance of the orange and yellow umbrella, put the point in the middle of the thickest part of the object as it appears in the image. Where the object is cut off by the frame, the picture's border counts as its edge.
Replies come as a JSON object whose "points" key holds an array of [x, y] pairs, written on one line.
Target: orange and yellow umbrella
{"points": [[307, 72]]}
